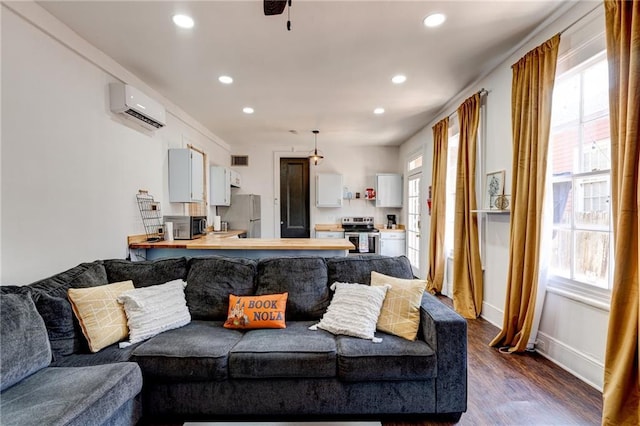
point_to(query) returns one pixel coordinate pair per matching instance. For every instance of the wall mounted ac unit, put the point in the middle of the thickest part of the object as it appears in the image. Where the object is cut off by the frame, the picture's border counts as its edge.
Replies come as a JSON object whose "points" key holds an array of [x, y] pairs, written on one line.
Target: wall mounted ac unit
{"points": [[136, 106]]}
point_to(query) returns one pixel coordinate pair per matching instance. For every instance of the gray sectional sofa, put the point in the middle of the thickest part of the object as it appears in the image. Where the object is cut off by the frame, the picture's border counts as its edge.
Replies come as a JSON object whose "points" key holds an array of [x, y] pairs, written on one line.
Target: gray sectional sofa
{"points": [[203, 371]]}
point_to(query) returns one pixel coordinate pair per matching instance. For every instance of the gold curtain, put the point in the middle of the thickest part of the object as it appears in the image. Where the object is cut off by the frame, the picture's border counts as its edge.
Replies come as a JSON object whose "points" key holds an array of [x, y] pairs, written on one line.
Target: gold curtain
{"points": [[531, 96], [621, 393], [435, 277], [467, 267]]}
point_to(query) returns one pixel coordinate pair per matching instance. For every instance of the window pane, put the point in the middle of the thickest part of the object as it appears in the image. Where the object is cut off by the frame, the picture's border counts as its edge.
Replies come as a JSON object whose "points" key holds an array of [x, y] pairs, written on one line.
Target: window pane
{"points": [[566, 100], [596, 90], [564, 145], [592, 204], [596, 147], [592, 258], [415, 163], [562, 202], [561, 254]]}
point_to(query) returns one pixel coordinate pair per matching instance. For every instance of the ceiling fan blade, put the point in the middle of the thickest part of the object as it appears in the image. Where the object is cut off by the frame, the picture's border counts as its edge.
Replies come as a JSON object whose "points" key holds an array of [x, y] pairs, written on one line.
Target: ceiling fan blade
{"points": [[274, 7]]}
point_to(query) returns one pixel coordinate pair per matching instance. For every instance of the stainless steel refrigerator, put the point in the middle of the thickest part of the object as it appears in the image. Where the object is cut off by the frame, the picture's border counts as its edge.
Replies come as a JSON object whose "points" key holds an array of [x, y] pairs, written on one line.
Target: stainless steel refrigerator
{"points": [[243, 213]]}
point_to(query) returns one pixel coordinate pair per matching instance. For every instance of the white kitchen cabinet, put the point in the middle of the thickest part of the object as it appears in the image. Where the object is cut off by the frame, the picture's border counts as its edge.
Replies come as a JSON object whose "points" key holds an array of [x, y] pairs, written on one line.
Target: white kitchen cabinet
{"points": [[328, 190], [388, 190], [219, 186], [392, 243], [330, 234], [186, 176]]}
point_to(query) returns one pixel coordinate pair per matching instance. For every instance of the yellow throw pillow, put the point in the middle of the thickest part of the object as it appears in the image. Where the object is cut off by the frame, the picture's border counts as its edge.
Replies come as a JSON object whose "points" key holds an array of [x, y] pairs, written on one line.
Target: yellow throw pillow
{"points": [[400, 313], [101, 317]]}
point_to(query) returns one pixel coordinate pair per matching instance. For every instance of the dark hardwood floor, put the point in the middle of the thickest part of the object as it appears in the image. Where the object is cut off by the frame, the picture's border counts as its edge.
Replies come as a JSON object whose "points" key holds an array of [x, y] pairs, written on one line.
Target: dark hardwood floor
{"points": [[520, 389]]}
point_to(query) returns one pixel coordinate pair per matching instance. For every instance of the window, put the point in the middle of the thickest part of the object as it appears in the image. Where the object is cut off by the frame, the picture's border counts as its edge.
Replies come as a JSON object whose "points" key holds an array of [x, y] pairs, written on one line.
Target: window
{"points": [[415, 163], [580, 161], [452, 172], [413, 222]]}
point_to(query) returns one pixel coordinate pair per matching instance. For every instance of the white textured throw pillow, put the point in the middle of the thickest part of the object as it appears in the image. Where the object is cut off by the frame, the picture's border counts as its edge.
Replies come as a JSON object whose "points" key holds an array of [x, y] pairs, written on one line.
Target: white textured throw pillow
{"points": [[152, 310], [354, 310]]}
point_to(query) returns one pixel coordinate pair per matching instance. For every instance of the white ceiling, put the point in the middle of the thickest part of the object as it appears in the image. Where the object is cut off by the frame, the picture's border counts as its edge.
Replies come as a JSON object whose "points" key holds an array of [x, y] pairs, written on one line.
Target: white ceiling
{"points": [[329, 72]]}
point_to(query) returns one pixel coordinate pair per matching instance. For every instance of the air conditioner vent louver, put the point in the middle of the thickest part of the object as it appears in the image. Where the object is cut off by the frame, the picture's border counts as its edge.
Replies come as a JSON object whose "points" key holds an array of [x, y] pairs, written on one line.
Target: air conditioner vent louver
{"points": [[239, 160], [143, 118]]}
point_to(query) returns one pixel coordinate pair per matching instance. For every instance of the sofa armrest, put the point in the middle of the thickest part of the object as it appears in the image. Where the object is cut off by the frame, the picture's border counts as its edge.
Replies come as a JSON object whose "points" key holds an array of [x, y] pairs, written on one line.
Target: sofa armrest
{"points": [[446, 332]]}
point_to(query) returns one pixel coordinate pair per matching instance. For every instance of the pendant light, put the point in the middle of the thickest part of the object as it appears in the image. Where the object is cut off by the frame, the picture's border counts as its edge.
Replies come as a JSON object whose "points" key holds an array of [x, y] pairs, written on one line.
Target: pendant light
{"points": [[316, 156]]}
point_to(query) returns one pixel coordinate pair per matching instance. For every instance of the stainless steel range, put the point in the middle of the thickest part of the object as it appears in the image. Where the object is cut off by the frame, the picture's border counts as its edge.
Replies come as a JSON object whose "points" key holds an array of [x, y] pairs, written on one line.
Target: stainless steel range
{"points": [[361, 232]]}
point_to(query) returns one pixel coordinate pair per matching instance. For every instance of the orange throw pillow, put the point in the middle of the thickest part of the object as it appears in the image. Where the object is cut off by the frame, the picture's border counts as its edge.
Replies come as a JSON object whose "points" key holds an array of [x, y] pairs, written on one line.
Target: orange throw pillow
{"points": [[265, 311]]}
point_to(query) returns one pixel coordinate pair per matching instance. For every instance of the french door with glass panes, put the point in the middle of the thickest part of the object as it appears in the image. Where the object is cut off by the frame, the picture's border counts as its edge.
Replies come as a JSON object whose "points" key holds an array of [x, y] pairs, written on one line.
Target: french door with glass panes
{"points": [[413, 222]]}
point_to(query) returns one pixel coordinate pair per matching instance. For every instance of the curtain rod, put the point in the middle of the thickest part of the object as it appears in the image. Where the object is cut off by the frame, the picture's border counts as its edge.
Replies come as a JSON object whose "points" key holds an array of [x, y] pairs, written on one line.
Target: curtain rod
{"points": [[568, 27], [481, 92]]}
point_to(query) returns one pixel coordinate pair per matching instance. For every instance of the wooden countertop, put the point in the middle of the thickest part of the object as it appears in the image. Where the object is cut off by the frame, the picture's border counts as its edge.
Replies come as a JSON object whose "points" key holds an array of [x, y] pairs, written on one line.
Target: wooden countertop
{"points": [[332, 227], [140, 241], [215, 241]]}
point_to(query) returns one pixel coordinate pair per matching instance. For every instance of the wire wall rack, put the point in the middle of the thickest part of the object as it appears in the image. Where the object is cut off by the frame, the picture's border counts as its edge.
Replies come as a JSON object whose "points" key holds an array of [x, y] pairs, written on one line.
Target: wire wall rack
{"points": [[151, 216]]}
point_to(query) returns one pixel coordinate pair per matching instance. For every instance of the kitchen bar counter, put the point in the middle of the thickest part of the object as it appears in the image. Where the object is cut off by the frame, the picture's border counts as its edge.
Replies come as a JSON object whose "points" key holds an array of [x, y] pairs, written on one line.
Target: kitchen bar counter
{"points": [[254, 248]]}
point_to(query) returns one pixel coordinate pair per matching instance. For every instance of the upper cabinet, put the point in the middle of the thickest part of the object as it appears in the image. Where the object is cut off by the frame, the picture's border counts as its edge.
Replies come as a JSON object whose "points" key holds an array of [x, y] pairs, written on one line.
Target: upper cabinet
{"points": [[186, 176], [328, 190], [220, 186], [388, 190]]}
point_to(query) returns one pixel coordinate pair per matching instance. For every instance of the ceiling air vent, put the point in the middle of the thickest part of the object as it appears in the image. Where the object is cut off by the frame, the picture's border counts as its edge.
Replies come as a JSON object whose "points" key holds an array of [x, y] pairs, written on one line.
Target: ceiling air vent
{"points": [[239, 160]]}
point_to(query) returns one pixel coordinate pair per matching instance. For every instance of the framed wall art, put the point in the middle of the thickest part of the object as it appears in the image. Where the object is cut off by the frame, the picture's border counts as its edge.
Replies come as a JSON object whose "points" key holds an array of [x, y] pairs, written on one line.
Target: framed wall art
{"points": [[494, 188]]}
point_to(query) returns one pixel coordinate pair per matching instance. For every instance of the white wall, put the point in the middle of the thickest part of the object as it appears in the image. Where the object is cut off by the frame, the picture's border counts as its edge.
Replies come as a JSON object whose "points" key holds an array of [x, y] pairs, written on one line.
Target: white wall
{"points": [[71, 168], [357, 165], [572, 332]]}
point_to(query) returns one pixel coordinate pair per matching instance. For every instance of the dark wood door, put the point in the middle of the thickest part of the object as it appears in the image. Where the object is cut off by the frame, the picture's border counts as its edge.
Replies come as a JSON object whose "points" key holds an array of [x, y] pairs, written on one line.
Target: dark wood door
{"points": [[294, 198]]}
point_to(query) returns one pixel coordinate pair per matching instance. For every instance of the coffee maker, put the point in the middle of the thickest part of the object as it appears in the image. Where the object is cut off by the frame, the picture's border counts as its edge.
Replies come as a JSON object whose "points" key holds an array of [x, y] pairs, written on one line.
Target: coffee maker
{"points": [[391, 221]]}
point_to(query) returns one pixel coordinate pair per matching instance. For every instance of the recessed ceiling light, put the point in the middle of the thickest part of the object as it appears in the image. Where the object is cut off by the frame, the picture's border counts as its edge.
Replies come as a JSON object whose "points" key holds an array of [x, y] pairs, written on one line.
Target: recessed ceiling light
{"points": [[183, 21], [399, 79], [225, 79], [434, 20], [247, 110], [378, 110]]}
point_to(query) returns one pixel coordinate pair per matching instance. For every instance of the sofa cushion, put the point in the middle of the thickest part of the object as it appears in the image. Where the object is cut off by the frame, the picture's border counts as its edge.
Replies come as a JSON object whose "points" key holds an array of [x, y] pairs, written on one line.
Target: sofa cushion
{"points": [[199, 351], [155, 309], [249, 312], [304, 278], [71, 396], [394, 358], [50, 295], [294, 351], [211, 280], [108, 355], [148, 272], [101, 317], [357, 269], [25, 346]]}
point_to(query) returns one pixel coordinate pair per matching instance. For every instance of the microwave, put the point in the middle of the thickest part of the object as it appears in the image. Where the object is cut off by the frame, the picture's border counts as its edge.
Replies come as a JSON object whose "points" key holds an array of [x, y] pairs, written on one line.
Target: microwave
{"points": [[187, 227]]}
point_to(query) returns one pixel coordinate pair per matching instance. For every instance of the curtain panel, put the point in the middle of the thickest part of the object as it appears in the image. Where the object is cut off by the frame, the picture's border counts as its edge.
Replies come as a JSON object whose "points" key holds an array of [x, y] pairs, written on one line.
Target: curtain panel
{"points": [[621, 392], [531, 99], [467, 267], [435, 277]]}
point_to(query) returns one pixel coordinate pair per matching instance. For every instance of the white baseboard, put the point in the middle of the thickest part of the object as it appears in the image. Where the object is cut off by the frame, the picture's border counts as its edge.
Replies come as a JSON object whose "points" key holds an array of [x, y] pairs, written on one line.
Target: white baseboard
{"points": [[583, 366], [492, 314]]}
